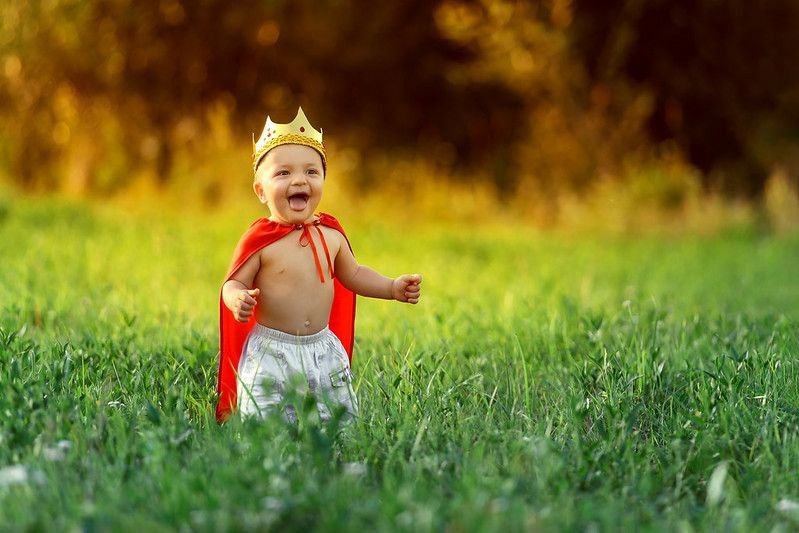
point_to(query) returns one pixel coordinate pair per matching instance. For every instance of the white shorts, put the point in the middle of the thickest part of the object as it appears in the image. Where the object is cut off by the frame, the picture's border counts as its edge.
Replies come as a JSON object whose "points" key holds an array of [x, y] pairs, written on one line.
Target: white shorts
{"points": [[272, 360]]}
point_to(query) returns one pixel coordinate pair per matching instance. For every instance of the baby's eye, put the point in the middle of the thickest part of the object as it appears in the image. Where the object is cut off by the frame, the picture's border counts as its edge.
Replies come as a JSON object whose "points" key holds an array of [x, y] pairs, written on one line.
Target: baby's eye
{"points": [[313, 171], [282, 173]]}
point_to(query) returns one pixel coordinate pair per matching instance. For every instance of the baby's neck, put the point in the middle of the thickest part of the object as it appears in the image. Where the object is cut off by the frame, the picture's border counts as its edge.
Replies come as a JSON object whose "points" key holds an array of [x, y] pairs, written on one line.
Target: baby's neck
{"points": [[276, 220]]}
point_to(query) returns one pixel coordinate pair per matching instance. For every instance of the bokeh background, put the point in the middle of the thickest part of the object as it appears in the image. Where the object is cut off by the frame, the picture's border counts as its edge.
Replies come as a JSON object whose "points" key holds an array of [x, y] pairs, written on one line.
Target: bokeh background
{"points": [[612, 348], [623, 114]]}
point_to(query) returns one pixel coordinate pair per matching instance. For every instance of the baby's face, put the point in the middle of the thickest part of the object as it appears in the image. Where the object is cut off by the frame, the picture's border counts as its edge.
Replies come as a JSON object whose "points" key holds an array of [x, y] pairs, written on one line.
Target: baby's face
{"points": [[289, 181]]}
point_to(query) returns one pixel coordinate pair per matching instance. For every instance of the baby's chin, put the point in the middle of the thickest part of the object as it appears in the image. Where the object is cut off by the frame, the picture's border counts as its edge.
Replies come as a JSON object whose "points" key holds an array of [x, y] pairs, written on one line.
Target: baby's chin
{"points": [[288, 216]]}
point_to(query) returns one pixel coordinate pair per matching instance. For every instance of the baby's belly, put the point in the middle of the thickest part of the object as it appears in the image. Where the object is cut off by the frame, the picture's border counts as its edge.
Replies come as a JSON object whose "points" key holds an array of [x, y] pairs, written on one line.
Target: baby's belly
{"points": [[299, 310]]}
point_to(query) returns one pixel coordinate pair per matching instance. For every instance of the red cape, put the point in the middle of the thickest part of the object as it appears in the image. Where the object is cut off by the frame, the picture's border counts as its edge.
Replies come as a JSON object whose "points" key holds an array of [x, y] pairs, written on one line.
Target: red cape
{"points": [[233, 333]]}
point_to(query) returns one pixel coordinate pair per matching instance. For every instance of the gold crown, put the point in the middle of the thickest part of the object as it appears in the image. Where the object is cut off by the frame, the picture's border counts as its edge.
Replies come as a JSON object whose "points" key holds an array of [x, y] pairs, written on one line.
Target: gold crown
{"points": [[298, 131]]}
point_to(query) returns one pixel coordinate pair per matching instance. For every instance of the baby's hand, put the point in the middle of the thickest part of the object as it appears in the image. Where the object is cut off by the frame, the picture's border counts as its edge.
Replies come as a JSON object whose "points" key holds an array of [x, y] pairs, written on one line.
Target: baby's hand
{"points": [[406, 288], [245, 301]]}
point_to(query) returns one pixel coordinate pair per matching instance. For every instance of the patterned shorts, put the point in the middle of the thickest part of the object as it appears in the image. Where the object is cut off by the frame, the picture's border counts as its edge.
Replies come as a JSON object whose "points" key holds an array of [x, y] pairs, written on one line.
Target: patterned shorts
{"points": [[273, 360]]}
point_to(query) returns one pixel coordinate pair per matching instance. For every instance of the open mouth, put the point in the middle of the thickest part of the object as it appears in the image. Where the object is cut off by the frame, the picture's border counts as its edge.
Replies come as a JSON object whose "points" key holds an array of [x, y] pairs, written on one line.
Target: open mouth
{"points": [[298, 201]]}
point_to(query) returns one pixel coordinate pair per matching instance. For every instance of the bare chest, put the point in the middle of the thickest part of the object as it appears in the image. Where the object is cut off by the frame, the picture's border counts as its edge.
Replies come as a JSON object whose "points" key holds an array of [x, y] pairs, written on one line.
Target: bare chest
{"points": [[291, 263]]}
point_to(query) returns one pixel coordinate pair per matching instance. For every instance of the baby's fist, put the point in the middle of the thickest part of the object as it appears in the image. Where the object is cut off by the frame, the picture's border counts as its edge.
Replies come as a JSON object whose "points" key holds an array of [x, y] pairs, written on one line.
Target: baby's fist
{"points": [[245, 303], [406, 288]]}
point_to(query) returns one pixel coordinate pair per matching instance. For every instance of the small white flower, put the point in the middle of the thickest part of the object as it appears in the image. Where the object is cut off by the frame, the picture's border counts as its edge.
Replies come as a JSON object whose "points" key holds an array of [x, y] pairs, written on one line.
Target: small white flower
{"points": [[355, 469], [19, 474], [13, 475], [57, 452], [787, 506], [271, 503], [715, 485]]}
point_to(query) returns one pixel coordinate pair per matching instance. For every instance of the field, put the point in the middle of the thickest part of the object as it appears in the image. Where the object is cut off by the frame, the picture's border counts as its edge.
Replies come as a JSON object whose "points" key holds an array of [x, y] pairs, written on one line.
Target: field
{"points": [[546, 381]]}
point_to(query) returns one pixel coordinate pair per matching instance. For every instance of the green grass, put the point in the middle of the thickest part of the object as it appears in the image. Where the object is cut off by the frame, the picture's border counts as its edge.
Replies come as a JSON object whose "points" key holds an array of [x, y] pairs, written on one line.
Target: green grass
{"points": [[545, 382]]}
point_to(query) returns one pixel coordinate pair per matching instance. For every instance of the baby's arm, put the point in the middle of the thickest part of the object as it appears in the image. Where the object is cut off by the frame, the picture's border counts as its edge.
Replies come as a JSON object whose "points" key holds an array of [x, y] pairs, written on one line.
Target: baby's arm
{"points": [[366, 282], [236, 292]]}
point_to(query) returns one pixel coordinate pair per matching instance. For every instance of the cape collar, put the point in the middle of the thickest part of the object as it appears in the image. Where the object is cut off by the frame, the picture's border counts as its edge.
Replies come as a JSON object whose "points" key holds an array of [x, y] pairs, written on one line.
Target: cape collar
{"points": [[306, 239]]}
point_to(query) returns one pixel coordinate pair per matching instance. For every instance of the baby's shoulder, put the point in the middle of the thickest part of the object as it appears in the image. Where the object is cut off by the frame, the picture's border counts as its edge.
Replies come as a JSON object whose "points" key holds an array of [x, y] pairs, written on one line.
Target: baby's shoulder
{"points": [[333, 238], [331, 224], [329, 230]]}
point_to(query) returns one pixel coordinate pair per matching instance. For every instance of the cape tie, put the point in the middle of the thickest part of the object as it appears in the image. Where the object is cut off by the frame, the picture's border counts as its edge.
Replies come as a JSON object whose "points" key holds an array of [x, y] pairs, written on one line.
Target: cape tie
{"points": [[306, 239]]}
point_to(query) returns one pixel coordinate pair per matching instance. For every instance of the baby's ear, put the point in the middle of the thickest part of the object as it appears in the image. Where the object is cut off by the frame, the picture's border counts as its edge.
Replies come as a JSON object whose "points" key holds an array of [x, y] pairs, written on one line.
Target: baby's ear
{"points": [[259, 190]]}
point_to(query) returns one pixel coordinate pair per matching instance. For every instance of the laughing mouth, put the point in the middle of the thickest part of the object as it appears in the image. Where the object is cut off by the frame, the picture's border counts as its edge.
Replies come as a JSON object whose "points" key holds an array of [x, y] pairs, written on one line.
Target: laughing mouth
{"points": [[299, 201]]}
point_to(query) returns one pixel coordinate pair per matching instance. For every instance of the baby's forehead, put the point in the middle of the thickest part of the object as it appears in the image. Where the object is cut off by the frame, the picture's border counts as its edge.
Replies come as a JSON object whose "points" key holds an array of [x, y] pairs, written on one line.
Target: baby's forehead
{"points": [[292, 154]]}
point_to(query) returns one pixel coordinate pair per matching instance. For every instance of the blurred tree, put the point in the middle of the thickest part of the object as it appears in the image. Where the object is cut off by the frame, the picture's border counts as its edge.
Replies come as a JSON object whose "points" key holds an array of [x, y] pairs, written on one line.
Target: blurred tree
{"points": [[371, 73], [542, 95], [570, 130], [720, 74]]}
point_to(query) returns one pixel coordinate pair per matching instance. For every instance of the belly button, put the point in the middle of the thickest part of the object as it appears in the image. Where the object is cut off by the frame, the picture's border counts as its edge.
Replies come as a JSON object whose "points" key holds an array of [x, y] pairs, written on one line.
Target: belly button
{"points": [[307, 323]]}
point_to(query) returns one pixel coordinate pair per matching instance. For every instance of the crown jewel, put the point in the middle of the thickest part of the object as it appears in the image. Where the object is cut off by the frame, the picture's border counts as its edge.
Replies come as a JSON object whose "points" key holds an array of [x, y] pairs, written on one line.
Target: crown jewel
{"points": [[298, 131]]}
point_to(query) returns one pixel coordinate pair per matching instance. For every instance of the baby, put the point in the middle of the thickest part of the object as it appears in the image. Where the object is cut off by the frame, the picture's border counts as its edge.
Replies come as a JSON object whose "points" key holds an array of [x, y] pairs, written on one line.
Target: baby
{"points": [[287, 306]]}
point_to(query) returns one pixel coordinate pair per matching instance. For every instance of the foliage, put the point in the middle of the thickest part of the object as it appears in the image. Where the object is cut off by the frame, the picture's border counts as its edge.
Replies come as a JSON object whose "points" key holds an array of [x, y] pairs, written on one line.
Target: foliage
{"points": [[535, 98], [720, 75], [544, 382], [150, 71]]}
